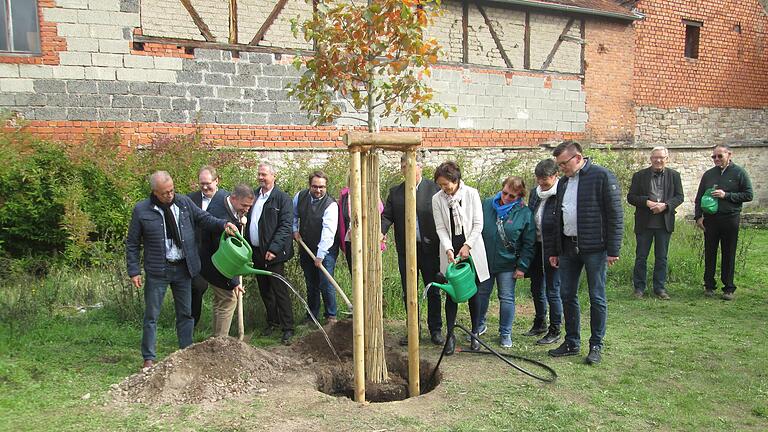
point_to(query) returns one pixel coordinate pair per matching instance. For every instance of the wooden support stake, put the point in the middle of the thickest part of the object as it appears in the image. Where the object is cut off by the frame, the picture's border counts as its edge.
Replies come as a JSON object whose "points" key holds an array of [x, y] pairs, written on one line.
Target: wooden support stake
{"points": [[358, 348], [414, 386], [204, 30]]}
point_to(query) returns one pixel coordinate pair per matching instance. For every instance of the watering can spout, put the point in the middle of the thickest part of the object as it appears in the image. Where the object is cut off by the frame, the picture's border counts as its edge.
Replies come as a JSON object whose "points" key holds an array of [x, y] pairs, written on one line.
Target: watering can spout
{"points": [[250, 270]]}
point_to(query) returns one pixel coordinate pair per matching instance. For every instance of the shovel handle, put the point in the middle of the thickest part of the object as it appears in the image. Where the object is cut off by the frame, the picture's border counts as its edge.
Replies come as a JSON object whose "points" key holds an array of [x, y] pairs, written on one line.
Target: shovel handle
{"points": [[328, 275], [240, 320]]}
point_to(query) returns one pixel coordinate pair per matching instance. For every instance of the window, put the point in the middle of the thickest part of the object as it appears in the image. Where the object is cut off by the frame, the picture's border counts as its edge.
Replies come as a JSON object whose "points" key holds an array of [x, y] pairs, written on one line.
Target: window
{"points": [[692, 34], [19, 30]]}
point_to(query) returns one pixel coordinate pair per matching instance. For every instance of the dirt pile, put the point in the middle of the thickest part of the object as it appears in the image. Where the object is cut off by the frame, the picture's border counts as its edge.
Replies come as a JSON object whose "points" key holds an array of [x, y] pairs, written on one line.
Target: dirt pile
{"points": [[218, 368], [314, 346]]}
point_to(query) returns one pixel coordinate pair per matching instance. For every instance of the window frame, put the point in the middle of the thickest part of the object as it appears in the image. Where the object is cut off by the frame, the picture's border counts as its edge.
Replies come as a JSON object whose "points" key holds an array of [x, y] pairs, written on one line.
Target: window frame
{"points": [[692, 31], [9, 31]]}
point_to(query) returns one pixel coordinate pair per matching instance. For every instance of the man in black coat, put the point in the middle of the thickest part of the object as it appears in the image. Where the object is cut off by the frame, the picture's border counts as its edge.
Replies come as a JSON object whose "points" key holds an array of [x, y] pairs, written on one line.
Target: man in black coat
{"points": [[225, 291], [427, 243], [590, 226], [208, 194], [164, 226], [655, 192], [269, 232]]}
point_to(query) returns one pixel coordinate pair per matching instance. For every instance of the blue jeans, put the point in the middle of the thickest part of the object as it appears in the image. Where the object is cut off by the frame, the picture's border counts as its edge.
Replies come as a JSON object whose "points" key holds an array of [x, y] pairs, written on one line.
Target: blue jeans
{"points": [[505, 284], [177, 276], [318, 285], [596, 266], [545, 288], [660, 239]]}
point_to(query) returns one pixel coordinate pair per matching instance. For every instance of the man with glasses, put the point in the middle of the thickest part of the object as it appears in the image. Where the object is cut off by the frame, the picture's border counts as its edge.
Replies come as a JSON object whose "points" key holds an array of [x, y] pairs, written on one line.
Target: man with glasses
{"points": [[164, 226], [588, 233], [655, 192], [732, 187], [209, 193], [315, 220]]}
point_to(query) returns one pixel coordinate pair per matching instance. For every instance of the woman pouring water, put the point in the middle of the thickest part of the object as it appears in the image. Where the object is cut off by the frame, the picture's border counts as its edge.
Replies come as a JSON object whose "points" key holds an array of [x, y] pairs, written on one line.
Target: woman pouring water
{"points": [[459, 222]]}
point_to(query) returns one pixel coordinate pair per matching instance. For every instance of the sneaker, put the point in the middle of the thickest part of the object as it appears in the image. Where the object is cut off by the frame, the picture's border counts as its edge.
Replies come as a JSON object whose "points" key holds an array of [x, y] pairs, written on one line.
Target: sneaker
{"points": [[662, 295], [474, 345], [450, 346], [483, 330], [538, 329], [506, 341], [437, 338], [331, 320], [638, 294], [565, 349], [552, 336], [728, 296], [594, 356], [709, 292], [147, 364]]}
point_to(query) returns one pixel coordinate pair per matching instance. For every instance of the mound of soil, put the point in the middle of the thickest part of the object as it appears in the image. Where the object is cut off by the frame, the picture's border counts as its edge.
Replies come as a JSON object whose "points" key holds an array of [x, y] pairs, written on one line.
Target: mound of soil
{"points": [[218, 368], [314, 347]]}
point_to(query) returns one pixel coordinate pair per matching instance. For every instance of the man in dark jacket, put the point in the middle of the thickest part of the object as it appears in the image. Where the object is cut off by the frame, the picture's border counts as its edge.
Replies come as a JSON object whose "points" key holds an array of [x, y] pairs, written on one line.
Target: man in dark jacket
{"points": [[225, 291], [165, 225], [655, 192], [589, 232], [427, 252], [732, 187], [208, 194], [269, 231]]}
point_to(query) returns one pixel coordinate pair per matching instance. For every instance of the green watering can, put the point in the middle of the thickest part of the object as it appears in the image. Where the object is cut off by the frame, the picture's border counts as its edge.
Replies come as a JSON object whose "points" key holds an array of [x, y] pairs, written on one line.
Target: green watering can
{"points": [[233, 258], [461, 281]]}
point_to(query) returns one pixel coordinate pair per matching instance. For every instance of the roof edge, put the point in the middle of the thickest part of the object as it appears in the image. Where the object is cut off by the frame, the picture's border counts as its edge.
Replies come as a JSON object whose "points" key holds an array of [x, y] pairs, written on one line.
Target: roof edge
{"points": [[629, 16]]}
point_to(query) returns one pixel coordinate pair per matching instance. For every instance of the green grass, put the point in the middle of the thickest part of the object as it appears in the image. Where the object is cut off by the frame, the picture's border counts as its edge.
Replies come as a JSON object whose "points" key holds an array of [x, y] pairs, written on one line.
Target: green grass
{"points": [[690, 363]]}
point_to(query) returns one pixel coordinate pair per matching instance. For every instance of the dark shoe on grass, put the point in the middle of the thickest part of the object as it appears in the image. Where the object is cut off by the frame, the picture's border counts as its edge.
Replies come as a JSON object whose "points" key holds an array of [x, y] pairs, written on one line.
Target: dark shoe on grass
{"points": [[565, 349], [709, 292], [638, 294], [287, 336], [450, 346], [474, 345], [594, 355], [728, 296], [552, 336], [538, 329], [662, 295], [437, 338]]}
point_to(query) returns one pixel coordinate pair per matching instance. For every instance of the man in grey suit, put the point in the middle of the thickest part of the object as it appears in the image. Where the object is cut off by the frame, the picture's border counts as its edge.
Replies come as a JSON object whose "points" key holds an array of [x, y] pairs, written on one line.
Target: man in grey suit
{"points": [[655, 192], [427, 252], [164, 224], [208, 194]]}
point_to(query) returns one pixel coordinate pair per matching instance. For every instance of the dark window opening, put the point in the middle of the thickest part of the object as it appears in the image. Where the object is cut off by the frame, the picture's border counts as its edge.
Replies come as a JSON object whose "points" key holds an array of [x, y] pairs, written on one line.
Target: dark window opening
{"points": [[692, 35], [737, 28], [19, 27]]}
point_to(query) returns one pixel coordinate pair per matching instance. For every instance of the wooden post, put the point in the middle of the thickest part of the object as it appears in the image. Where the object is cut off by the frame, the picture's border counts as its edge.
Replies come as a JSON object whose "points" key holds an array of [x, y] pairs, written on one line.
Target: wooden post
{"points": [[358, 347], [233, 21], [375, 358], [414, 387]]}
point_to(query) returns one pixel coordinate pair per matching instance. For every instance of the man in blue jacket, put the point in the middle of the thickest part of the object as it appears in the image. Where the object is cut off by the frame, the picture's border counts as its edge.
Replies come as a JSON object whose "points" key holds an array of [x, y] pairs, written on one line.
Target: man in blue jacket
{"points": [[164, 224], [589, 232]]}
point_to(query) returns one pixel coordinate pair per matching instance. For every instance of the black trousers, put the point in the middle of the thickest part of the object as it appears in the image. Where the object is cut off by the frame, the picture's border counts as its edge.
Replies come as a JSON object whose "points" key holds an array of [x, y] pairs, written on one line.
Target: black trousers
{"points": [[722, 231], [428, 263], [274, 293], [199, 287]]}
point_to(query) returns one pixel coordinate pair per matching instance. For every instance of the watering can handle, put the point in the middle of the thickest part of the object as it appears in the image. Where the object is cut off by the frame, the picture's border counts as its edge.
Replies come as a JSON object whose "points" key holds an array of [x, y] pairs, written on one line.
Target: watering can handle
{"points": [[470, 261], [240, 237]]}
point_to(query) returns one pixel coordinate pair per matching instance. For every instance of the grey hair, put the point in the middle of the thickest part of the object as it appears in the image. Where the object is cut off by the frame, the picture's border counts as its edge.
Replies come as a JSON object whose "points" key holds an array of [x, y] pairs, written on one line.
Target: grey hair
{"points": [[158, 177], [545, 168], [243, 190], [419, 158], [661, 149], [269, 165]]}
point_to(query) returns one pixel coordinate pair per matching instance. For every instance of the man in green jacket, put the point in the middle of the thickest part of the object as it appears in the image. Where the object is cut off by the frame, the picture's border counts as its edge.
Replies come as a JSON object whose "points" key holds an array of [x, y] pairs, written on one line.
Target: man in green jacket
{"points": [[731, 186]]}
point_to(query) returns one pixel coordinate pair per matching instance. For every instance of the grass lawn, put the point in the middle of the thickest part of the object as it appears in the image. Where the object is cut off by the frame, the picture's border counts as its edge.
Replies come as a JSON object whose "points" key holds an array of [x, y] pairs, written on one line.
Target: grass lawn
{"points": [[689, 364]]}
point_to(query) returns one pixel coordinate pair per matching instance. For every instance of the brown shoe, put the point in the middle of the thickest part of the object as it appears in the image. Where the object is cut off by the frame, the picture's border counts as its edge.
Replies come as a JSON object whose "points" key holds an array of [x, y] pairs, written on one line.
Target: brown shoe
{"points": [[638, 294], [709, 292], [663, 295], [331, 320], [727, 296], [148, 364]]}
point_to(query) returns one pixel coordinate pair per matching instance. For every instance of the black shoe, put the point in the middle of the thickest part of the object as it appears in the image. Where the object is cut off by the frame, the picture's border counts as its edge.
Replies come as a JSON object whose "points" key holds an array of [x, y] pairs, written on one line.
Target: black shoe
{"points": [[437, 338], [552, 336], [538, 329], [268, 331], [565, 349], [709, 292], [474, 345], [403, 341], [594, 356], [287, 336], [638, 294], [450, 346]]}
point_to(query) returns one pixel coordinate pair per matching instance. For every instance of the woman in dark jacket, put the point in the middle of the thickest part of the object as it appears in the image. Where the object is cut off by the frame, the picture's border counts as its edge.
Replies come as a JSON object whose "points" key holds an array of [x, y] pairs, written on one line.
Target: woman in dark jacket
{"points": [[509, 235], [545, 279]]}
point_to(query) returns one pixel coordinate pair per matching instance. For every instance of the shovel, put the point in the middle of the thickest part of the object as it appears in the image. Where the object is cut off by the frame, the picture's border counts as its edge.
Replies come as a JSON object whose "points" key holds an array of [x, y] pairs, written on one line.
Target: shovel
{"points": [[328, 275], [240, 321]]}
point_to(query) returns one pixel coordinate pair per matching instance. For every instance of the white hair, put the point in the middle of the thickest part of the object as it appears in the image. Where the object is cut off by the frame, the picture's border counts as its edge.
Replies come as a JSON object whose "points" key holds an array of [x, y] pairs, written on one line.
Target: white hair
{"points": [[158, 177], [661, 149]]}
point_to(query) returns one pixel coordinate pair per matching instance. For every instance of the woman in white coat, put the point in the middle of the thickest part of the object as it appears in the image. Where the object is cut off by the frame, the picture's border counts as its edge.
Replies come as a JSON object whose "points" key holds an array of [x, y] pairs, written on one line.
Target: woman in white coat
{"points": [[458, 214]]}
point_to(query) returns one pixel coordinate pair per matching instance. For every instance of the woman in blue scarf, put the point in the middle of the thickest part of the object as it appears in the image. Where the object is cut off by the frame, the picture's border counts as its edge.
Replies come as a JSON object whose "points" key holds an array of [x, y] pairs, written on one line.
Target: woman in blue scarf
{"points": [[509, 234]]}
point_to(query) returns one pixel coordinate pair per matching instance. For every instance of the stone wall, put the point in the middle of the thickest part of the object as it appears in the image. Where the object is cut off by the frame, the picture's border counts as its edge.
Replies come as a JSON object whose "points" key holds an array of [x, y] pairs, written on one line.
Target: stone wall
{"points": [[700, 126]]}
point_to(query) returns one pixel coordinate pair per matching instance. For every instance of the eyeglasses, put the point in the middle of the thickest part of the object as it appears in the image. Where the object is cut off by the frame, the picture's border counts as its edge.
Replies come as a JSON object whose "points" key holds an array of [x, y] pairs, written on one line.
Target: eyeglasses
{"points": [[564, 163], [718, 156]]}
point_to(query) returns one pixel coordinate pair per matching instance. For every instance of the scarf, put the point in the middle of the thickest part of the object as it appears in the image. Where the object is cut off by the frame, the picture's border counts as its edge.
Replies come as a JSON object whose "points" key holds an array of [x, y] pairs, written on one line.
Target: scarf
{"points": [[544, 195], [454, 205], [503, 209], [171, 229]]}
